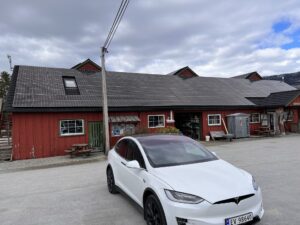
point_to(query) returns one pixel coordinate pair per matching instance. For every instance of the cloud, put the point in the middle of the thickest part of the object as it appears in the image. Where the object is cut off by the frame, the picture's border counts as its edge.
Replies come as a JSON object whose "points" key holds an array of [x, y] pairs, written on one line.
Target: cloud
{"points": [[215, 38]]}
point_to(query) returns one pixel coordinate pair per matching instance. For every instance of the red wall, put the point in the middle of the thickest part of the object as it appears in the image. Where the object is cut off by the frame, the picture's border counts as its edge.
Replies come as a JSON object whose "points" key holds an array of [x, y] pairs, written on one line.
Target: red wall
{"points": [[296, 102], [186, 73], [206, 129], [89, 67], [39, 132]]}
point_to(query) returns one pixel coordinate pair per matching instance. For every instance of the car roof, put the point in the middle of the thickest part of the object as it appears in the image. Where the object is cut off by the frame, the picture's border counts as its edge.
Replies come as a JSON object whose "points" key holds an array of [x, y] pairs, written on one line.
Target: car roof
{"points": [[156, 137]]}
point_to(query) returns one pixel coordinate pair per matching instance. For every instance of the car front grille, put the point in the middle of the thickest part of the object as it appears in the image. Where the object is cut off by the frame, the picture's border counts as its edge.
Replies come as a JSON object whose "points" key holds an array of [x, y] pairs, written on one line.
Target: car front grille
{"points": [[236, 200]]}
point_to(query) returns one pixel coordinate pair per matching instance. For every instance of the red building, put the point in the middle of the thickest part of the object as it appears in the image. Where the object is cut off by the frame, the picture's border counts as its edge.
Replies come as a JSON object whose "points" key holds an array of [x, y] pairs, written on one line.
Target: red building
{"points": [[53, 108]]}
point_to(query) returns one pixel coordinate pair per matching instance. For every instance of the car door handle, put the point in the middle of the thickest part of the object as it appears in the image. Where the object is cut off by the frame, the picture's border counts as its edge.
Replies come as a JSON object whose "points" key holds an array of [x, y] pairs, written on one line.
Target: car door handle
{"points": [[123, 163]]}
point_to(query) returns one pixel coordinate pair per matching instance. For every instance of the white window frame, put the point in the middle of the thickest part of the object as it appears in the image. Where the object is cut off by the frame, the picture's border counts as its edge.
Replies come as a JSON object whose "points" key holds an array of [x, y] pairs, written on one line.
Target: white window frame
{"points": [[71, 134], [156, 126], [259, 119], [215, 124]]}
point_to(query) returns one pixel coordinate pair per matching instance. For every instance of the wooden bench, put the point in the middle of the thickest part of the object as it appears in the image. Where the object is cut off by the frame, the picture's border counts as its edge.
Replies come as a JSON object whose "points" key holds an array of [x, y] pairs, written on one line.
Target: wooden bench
{"points": [[266, 131], [220, 135]]}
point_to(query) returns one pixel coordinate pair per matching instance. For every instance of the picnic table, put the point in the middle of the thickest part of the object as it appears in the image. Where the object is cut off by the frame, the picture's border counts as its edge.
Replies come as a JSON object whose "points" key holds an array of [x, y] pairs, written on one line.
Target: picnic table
{"points": [[78, 149]]}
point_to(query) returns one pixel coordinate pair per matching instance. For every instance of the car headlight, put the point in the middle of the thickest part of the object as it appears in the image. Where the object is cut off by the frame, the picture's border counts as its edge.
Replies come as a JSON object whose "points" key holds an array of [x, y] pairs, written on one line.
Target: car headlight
{"points": [[255, 185], [183, 197]]}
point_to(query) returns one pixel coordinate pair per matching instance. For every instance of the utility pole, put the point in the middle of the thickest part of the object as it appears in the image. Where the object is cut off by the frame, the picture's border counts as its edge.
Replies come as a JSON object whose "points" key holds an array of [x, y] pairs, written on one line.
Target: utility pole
{"points": [[10, 63], [104, 100], [107, 42]]}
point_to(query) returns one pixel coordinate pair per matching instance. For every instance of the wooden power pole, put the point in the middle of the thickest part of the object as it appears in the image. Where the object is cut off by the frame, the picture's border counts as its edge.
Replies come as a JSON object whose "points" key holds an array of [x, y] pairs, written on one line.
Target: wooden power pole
{"points": [[107, 42], [104, 100]]}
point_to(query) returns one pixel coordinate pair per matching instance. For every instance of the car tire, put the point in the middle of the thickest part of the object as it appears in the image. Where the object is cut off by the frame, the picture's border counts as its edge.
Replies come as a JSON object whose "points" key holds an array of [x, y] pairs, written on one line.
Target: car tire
{"points": [[153, 211], [112, 188]]}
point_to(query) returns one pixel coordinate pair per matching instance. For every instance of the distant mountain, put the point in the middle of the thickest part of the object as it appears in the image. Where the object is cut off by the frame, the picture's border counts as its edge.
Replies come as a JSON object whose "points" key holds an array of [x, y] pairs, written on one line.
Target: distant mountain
{"points": [[289, 78]]}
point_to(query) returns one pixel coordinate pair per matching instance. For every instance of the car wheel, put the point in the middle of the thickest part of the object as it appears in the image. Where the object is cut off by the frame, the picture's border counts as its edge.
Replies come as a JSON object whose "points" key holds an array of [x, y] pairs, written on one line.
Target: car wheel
{"points": [[154, 213], [111, 181]]}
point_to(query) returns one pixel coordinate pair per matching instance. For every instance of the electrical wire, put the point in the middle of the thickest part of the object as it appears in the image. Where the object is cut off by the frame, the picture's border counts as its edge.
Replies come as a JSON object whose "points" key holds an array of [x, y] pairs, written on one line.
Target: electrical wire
{"points": [[114, 23], [117, 25], [117, 20]]}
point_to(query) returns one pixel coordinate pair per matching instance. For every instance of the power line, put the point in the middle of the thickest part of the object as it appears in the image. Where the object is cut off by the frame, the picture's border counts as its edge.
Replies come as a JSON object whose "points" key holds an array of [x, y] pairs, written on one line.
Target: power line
{"points": [[117, 25], [114, 23], [118, 18]]}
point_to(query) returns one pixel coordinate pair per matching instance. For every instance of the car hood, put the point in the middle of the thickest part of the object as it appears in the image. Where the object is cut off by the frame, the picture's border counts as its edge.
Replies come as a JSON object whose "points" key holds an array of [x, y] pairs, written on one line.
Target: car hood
{"points": [[213, 180]]}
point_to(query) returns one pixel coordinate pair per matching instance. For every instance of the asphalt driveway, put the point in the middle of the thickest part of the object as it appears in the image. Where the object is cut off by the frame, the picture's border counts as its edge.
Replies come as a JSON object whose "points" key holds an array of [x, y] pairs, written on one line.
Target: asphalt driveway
{"points": [[77, 194]]}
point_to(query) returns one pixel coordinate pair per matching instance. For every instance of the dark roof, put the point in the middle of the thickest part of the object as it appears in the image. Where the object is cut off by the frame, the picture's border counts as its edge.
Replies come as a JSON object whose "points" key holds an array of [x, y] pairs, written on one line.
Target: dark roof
{"points": [[36, 89], [277, 99]]}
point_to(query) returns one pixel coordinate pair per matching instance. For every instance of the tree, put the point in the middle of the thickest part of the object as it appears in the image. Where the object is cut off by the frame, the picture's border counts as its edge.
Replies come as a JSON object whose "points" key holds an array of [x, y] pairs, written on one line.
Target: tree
{"points": [[4, 83]]}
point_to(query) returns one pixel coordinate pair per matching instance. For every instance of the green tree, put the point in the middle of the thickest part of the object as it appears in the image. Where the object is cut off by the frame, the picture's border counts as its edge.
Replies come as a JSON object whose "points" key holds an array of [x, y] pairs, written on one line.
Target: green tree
{"points": [[4, 83]]}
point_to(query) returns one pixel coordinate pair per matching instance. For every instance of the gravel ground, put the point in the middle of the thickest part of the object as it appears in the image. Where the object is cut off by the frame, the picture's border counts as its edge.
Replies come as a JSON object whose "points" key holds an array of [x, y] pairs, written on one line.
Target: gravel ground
{"points": [[77, 194]]}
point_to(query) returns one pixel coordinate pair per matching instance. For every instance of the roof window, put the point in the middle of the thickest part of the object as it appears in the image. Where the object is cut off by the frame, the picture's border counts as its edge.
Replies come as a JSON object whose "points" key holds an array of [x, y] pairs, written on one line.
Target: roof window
{"points": [[70, 85]]}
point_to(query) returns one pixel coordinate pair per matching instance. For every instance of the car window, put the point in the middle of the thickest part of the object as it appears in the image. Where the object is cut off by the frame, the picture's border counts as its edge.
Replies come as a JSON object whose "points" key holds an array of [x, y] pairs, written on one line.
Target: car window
{"points": [[121, 148], [129, 155], [174, 150], [137, 155]]}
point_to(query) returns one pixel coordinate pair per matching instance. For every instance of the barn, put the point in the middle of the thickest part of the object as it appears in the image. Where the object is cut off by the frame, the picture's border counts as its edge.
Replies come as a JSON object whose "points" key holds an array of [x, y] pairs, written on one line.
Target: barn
{"points": [[53, 108]]}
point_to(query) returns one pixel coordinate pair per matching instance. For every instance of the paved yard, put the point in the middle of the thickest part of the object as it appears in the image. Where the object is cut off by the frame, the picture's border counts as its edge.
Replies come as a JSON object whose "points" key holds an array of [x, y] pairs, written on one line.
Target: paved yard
{"points": [[77, 194]]}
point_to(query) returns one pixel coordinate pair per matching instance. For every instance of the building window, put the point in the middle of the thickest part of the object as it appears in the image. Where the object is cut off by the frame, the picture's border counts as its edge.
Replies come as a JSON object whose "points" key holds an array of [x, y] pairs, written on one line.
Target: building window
{"points": [[156, 121], [70, 85], [255, 118], [71, 127], [121, 129], [214, 120]]}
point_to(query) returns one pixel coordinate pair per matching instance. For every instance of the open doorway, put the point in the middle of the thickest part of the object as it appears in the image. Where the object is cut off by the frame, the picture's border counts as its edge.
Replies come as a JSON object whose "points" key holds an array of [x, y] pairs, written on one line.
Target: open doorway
{"points": [[190, 124]]}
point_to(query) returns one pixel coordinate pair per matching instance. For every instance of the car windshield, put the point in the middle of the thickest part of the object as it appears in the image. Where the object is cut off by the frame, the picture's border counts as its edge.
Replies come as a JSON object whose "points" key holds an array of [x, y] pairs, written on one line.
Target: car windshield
{"points": [[171, 150]]}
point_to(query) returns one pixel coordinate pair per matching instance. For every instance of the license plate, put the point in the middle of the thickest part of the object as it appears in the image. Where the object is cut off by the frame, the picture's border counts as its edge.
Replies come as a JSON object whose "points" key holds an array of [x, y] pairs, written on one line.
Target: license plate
{"points": [[239, 219]]}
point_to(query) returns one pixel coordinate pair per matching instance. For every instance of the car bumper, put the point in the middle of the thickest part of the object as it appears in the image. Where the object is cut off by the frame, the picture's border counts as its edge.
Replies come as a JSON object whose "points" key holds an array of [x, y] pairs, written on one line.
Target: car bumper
{"points": [[206, 213]]}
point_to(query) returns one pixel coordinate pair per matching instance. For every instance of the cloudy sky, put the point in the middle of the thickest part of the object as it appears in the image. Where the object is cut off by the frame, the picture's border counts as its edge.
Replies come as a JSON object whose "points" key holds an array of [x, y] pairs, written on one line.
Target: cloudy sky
{"points": [[213, 37]]}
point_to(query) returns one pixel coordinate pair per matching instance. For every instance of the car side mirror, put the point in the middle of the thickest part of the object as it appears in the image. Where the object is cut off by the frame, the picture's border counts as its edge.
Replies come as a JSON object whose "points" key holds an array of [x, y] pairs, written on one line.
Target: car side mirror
{"points": [[133, 164], [214, 153]]}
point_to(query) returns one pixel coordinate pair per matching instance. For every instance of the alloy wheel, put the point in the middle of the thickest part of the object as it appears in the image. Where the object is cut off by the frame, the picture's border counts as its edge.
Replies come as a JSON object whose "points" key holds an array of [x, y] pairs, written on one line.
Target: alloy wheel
{"points": [[153, 213]]}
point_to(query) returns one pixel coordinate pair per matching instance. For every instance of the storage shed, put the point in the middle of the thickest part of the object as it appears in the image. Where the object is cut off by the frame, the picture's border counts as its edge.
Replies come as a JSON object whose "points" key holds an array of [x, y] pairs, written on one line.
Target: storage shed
{"points": [[238, 125]]}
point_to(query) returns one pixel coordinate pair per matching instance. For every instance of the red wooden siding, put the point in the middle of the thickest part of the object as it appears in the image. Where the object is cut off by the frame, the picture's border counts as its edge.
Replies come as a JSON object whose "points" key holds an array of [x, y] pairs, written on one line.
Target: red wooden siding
{"points": [[89, 67], [37, 134], [186, 73], [206, 129], [254, 77], [296, 102]]}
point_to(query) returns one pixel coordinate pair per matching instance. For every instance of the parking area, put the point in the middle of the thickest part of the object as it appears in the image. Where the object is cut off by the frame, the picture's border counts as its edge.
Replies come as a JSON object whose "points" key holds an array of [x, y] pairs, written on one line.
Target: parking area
{"points": [[77, 194]]}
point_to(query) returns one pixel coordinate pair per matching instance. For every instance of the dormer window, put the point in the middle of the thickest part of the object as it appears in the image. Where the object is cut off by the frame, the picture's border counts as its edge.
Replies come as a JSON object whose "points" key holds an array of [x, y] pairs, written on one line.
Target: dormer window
{"points": [[70, 85]]}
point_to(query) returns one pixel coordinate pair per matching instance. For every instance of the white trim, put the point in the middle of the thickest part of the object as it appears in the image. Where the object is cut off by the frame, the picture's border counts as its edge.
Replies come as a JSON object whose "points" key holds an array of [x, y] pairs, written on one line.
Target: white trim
{"points": [[157, 126], [259, 119], [71, 134], [217, 124]]}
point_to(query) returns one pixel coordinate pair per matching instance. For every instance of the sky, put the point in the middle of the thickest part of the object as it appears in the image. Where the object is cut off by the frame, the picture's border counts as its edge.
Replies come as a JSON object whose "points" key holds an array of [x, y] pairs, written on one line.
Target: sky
{"points": [[214, 38]]}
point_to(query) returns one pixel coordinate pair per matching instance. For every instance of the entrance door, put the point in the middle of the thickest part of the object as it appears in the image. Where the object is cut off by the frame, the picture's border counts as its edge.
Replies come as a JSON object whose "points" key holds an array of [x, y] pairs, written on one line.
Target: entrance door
{"points": [[189, 124], [96, 135]]}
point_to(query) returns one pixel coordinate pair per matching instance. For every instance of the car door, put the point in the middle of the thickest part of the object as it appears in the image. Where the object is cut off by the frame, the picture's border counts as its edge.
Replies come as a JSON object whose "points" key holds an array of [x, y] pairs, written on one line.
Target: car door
{"points": [[120, 161], [135, 178]]}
